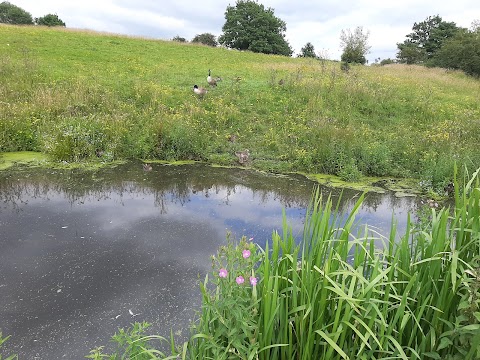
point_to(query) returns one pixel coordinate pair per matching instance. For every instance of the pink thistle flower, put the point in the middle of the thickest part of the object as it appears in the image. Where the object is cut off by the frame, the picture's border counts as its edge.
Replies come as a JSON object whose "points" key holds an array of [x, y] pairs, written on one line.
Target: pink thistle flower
{"points": [[253, 280], [246, 254], [240, 280], [223, 273]]}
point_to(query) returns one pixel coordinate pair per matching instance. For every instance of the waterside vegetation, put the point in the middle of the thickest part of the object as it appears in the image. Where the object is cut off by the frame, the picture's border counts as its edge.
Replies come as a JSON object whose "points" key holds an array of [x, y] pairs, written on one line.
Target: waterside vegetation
{"points": [[339, 294], [76, 94]]}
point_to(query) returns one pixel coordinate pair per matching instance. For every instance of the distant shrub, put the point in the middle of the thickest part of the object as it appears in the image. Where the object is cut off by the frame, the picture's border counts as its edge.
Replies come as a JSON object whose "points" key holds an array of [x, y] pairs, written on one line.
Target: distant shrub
{"points": [[205, 39], [179, 39], [49, 20], [387, 61]]}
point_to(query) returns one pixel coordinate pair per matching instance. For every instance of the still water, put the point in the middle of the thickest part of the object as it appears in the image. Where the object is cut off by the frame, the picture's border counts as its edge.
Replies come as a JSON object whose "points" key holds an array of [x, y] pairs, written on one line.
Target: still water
{"points": [[81, 251]]}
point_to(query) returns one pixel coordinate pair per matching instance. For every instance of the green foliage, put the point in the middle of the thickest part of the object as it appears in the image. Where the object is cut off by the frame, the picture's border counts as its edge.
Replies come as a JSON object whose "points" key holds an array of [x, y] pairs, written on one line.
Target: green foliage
{"points": [[229, 324], [49, 20], [354, 45], [2, 341], [206, 39], [76, 139], [340, 296], [133, 343], [308, 51], [387, 61], [12, 14], [178, 38], [461, 52], [400, 121], [250, 26], [426, 39], [341, 293], [410, 53]]}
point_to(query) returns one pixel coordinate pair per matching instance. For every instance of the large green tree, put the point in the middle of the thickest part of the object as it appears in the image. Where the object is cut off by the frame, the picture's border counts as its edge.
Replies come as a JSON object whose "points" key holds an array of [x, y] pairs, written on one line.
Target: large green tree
{"points": [[426, 39], [354, 45], [251, 26], [462, 52], [49, 20], [12, 14]]}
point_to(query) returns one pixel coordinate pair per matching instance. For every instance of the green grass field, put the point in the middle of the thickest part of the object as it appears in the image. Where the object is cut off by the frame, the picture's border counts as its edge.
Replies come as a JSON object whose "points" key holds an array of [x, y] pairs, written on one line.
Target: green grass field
{"points": [[70, 93]]}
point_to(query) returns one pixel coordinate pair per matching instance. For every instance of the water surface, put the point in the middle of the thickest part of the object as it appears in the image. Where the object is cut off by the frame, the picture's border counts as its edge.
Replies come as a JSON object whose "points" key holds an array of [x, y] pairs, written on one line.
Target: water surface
{"points": [[82, 250]]}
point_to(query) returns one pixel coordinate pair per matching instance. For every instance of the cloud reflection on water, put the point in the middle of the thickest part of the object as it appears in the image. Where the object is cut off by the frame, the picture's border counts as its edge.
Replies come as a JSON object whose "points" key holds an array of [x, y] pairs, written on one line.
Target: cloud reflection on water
{"points": [[80, 248]]}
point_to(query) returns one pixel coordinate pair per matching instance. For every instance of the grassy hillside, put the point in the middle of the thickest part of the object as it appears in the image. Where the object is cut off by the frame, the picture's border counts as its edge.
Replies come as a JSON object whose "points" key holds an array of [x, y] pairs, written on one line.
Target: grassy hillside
{"points": [[70, 93]]}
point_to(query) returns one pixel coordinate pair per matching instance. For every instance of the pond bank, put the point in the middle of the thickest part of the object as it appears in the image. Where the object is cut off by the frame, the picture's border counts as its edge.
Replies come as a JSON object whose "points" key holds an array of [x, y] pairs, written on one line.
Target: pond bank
{"points": [[401, 187]]}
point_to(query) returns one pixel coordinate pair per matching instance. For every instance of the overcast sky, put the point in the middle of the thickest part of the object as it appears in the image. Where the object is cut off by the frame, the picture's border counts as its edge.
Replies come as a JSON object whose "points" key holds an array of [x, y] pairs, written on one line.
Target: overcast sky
{"points": [[317, 21]]}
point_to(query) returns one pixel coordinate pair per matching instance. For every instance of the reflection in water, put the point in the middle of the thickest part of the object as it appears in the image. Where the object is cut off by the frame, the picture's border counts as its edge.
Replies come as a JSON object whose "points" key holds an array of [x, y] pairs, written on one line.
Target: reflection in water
{"points": [[79, 250]]}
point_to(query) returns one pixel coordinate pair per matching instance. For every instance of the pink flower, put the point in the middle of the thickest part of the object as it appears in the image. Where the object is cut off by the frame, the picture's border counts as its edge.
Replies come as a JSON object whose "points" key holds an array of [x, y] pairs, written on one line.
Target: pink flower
{"points": [[223, 273], [251, 239], [240, 280], [246, 254], [253, 280]]}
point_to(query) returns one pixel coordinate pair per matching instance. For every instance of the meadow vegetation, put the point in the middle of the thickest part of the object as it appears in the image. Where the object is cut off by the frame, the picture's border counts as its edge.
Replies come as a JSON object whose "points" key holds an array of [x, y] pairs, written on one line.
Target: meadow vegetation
{"points": [[82, 96], [70, 93]]}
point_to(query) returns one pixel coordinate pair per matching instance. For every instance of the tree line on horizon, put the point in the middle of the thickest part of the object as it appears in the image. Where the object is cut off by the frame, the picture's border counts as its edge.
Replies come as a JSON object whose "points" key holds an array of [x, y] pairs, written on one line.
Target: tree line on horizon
{"points": [[15, 15], [250, 26]]}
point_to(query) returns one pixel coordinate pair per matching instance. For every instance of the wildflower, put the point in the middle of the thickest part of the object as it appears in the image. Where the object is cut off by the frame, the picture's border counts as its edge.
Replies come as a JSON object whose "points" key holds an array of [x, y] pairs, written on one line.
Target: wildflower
{"points": [[251, 239], [246, 253], [223, 273], [253, 280], [240, 280]]}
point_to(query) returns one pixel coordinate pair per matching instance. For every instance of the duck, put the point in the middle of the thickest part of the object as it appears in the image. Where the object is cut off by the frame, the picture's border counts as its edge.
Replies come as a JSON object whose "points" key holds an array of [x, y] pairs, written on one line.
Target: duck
{"points": [[147, 167], [242, 156], [211, 80], [200, 91]]}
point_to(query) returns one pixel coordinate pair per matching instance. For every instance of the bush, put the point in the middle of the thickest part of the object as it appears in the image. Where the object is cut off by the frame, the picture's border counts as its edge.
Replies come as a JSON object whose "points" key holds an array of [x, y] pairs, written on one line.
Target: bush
{"points": [[179, 39], [49, 20], [76, 139], [205, 39], [387, 61]]}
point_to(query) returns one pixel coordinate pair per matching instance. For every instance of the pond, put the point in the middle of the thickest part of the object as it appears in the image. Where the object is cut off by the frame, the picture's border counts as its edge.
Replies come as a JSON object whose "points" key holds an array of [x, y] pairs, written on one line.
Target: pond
{"points": [[83, 253]]}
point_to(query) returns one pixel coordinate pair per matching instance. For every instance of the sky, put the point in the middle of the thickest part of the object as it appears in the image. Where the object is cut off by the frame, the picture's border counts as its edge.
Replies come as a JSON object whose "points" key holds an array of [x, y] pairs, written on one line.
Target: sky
{"points": [[319, 22]]}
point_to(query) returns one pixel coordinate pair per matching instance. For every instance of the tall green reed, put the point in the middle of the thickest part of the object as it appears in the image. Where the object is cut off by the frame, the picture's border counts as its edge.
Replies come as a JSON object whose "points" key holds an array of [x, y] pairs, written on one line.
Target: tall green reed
{"points": [[338, 296]]}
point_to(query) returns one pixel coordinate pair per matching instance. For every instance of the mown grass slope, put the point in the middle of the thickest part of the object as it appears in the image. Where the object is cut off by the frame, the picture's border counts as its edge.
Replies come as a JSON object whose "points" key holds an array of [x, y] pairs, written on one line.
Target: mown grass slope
{"points": [[72, 94]]}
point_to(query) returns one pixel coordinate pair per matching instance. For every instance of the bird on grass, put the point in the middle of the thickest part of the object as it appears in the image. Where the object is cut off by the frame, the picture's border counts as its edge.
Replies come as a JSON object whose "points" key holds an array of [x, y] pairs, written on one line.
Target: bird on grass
{"points": [[147, 167], [242, 156], [211, 80], [200, 91]]}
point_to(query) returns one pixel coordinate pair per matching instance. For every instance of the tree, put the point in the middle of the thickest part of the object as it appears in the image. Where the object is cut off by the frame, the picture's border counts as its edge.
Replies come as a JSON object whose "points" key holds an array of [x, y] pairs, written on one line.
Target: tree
{"points": [[460, 52], [308, 51], [49, 20], [11, 14], [250, 26], [178, 38], [410, 53], [206, 39], [475, 27], [354, 45], [425, 40]]}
